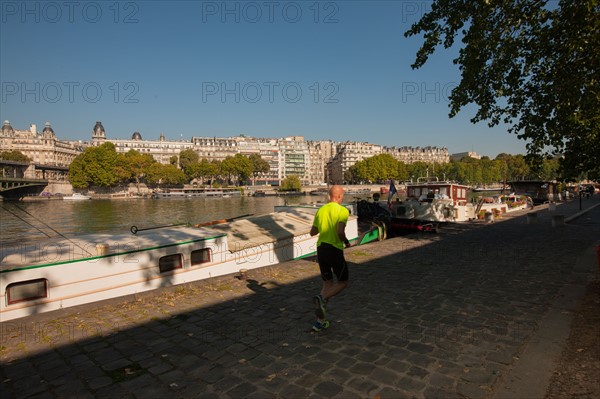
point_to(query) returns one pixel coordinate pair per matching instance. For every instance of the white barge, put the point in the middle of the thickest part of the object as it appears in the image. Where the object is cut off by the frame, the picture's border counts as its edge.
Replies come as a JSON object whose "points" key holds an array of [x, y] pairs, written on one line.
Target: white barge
{"points": [[52, 274]]}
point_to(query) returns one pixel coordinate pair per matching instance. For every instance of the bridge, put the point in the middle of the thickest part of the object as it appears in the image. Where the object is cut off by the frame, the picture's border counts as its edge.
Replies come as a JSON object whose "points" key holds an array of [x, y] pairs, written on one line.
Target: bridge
{"points": [[19, 179], [17, 188]]}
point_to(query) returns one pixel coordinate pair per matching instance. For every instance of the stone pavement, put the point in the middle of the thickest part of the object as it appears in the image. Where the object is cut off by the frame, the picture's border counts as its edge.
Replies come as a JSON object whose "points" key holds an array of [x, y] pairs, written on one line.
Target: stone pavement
{"points": [[477, 311]]}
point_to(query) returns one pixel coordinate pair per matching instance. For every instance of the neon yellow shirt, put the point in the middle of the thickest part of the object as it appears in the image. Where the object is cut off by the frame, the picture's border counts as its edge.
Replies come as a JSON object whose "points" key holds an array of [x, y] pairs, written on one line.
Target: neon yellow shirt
{"points": [[326, 220]]}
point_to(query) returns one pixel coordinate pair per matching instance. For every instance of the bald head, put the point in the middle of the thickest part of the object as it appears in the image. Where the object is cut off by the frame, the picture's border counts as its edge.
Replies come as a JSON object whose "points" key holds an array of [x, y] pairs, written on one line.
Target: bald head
{"points": [[336, 194]]}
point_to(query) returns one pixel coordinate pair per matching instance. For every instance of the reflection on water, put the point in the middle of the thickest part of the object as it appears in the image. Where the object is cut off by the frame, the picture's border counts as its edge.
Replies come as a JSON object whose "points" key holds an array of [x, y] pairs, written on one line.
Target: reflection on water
{"points": [[32, 220]]}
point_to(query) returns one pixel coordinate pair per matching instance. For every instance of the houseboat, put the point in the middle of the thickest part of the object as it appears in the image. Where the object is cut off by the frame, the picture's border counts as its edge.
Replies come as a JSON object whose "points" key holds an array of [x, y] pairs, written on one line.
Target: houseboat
{"points": [[53, 274], [430, 203], [539, 191], [197, 192]]}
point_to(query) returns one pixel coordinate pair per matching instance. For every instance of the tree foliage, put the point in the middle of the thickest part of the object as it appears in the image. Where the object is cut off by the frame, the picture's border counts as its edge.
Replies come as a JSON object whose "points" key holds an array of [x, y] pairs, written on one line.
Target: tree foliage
{"points": [[187, 160], [16, 156], [469, 171], [97, 166], [168, 175], [259, 166], [533, 65], [291, 183], [136, 165]]}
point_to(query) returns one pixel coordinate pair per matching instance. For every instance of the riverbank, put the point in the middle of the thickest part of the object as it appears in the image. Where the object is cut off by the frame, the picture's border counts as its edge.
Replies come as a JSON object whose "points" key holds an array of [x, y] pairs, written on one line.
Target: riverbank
{"points": [[428, 316]]}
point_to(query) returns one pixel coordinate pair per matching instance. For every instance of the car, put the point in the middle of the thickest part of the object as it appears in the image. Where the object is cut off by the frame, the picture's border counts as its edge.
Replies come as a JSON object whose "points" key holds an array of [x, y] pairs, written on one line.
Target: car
{"points": [[46, 194]]}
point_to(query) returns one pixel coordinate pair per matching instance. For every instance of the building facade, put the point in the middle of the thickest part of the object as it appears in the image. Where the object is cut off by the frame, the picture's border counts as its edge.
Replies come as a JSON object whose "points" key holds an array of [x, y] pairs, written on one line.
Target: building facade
{"points": [[314, 162], [347, 155], [320, 154], [460, 155], [43, 149], [161, 150], [419, 154]]}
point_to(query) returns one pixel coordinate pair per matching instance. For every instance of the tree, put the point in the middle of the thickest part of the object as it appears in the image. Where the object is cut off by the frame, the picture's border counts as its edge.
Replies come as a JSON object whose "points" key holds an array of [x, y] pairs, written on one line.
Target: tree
{"points": [[291, 183], [16, 156], [382, 167], [137, 165], [377, 168], [169, 175], [359, 172], [402, 172], [259, 166], [13, 155], [228, 168], [188, 160], [533, 65], [243, 167], [96, 166], [238, 166], [517, 168], [187, 157], [418, 169]]}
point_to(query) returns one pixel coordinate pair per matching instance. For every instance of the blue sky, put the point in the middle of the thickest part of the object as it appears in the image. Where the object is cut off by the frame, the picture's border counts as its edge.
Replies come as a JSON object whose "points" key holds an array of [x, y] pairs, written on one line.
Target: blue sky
{"points": [[335, 70]]}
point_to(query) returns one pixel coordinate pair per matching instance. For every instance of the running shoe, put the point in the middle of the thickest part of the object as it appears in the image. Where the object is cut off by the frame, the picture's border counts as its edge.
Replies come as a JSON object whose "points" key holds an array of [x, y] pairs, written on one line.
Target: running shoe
{"points": [[320, 310], [320, 325]]}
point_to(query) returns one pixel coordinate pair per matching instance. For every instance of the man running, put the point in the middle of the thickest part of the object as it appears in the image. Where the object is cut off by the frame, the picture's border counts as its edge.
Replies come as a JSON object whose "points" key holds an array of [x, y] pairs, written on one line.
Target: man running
{"points": [[330, 223]]}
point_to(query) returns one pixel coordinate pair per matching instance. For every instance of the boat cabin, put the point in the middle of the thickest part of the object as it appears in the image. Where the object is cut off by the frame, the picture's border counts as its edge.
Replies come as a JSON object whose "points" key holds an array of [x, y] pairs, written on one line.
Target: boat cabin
{"points": [[427, 192], [539, 191]]}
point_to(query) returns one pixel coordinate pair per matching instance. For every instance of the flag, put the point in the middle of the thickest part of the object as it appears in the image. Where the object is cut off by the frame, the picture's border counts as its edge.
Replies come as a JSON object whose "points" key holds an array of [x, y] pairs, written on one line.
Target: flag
{"points": [[391, 193]]}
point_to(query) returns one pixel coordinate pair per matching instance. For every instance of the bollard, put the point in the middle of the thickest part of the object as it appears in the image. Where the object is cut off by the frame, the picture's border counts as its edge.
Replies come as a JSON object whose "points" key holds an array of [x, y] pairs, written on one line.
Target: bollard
{"points": [[244, 274], [551, 206], [532, 218], [598, 255], [102, 249], [558, 220]]}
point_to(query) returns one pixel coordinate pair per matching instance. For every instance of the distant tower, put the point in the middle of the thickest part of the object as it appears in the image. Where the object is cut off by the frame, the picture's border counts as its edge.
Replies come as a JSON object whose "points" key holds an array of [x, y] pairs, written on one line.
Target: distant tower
{"points": [[48, 133], [136, 136], [98, 134]]}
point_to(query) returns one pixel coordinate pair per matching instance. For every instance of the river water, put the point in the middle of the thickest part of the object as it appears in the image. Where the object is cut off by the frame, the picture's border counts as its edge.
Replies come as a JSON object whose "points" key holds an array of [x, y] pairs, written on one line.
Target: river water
{"points": [[39, 219]]}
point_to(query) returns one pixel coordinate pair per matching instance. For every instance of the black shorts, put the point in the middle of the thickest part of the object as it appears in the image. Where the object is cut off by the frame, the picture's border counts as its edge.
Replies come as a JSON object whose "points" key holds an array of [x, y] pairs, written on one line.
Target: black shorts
{"points": [[331, 261]]}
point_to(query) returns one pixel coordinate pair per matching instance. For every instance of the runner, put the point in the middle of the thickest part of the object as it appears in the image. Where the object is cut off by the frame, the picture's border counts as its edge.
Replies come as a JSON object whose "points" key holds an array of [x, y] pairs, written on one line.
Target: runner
{"points": [[330, 223]]}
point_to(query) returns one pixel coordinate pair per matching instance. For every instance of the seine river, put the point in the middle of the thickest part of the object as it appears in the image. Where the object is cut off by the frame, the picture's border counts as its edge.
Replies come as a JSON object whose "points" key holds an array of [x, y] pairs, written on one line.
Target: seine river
{"points": [[34, 220]]}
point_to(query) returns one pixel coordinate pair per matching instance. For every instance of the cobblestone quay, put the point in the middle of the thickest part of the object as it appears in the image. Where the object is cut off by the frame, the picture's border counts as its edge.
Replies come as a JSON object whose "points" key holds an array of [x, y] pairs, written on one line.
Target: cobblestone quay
{"points": [[479, 310]]}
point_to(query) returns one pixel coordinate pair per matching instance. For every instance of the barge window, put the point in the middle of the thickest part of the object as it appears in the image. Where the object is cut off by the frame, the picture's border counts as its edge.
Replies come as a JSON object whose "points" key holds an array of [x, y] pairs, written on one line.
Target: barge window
{"points": [[170, 262], [27, 290], [200, 256]]}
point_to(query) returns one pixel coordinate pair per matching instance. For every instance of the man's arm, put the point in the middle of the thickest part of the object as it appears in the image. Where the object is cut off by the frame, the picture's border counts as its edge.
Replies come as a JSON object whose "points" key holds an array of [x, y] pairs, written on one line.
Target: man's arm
{"points": [[314, 231], [341, 232]]}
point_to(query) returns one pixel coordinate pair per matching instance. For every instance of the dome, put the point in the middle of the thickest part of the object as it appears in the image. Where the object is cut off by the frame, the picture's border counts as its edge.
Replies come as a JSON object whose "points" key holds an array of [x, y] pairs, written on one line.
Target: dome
{"points": [[136, 136], [7, 129], [48, 132], [98, 128]]}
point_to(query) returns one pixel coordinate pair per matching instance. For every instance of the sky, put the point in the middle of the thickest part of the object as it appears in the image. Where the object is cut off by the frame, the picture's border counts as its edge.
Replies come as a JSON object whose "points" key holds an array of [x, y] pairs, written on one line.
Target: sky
{"points": [[325, 70]]}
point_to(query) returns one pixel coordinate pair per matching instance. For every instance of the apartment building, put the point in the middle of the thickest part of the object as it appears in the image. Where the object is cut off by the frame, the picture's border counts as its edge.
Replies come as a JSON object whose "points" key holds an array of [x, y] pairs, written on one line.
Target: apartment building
{"points": [[347, 155], [42, 148], [419, 154], [161, 150]]}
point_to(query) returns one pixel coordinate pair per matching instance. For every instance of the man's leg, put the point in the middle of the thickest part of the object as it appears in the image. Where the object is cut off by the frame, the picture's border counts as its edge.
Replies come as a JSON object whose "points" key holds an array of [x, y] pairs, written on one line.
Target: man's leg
{"points": [[331, 288]]}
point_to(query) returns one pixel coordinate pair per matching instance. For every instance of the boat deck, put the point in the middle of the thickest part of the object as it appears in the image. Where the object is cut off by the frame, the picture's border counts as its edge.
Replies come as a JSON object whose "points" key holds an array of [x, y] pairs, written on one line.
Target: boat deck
{"points": [[240, 233]]}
